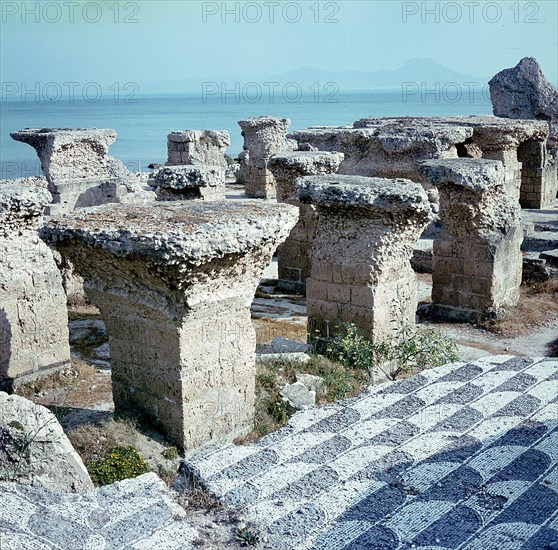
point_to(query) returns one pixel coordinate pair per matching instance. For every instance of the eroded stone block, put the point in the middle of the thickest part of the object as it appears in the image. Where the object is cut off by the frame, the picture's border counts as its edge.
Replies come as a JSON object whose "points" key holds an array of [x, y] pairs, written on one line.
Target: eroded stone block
{"points": [[263, 137], [523, 92], [477, 261], [77, 166], [35, 450], [174, 283], [198, 147], [394, 147], [33, 316], [189, 182], [293, 256], [361, 272]]}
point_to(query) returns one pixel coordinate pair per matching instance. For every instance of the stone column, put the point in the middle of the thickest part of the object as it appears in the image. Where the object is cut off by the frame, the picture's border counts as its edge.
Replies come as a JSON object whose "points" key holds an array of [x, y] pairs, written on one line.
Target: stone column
{"points": [[77, 166], [477, 261], [506, 152], [361, 271], [33, 316], [189, 182], [293, 256], [174, 283], [539, 176], [263, 137], [198, 147]]}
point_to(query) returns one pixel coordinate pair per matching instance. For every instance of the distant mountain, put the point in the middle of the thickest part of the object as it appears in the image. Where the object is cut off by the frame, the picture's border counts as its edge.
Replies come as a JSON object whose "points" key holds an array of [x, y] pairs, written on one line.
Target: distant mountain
{"points": [[417, 71]]}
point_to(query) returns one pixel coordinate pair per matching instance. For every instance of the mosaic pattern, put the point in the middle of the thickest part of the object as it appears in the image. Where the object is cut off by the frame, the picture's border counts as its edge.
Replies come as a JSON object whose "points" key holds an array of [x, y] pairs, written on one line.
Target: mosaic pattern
{"points": [[462, 456], [136, 514]]}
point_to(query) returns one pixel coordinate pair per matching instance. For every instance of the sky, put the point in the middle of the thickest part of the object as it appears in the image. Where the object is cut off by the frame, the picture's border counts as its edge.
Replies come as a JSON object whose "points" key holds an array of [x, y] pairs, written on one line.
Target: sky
{"points": [[153, 41]]}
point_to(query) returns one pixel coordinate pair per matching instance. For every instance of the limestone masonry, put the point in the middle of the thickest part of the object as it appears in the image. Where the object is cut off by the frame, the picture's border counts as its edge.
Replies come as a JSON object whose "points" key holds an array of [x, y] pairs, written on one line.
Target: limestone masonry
{"points": [[395, 146], [293, 256], [263, 137], [361, 272], [33, 316], [198, 147], [78, 168], [174, 283], [476, 271], [189, 182]]}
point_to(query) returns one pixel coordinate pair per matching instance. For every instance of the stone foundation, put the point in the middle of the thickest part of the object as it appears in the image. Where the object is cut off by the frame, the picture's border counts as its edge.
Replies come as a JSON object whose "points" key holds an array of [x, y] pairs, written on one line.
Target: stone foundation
{"points": [[477, 262], [361, 271], [294, 260], [263, 137], [33, 316], [174, 283]]}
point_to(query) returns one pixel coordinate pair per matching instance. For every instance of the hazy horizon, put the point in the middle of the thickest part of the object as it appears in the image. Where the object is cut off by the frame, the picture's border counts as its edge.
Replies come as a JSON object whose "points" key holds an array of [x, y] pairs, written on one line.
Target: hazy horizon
{"points": [[149, 42]]}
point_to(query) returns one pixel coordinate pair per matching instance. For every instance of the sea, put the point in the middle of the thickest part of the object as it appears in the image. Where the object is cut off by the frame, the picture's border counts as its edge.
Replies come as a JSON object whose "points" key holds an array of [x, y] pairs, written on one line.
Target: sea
{"points": [[143, 122]]}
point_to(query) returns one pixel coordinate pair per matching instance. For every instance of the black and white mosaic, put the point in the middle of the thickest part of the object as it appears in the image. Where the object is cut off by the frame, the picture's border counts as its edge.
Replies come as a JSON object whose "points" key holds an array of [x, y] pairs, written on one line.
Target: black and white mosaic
{"points": [[464, 456], [136, 514]]}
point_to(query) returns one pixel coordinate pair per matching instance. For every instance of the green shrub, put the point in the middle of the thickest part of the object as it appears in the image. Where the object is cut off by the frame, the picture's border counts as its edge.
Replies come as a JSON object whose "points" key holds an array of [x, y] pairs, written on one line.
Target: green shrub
{"points": [[410, 349], [119, 463], [352, 350]]}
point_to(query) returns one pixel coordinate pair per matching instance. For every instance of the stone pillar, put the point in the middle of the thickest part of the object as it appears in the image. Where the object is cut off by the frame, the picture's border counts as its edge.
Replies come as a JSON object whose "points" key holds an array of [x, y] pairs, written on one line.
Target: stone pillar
{"points": [[206, 147], [539, 177], [197, 147], [33, 316], [77, 166], [189, 182], [361, 271], [293, 256], [477, 260], [497, 147], [174, 283], [263, 137]]}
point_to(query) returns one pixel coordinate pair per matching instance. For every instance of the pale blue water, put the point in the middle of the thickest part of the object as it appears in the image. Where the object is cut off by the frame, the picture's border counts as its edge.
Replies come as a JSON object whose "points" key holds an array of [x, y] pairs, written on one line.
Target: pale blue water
{"points": [[142, 127]]}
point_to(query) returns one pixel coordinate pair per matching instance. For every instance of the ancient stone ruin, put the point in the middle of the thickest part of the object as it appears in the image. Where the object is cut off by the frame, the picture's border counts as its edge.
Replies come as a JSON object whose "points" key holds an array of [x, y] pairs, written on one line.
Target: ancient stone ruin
{"points": [[361, 273], [477, 261], [33, 316], [294, 260], [198, 147], [393, 147], [196, 166], [263, 137], [189, 182], [523, 92], [174, 283], [78, 168]]}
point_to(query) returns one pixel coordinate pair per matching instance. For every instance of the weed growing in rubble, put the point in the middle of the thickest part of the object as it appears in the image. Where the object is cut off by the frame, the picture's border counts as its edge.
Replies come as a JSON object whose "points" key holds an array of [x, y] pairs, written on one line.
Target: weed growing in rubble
{"points": [[247, 537], [16, 441], [411, 349], [170, 453]]}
